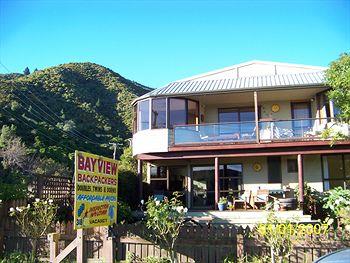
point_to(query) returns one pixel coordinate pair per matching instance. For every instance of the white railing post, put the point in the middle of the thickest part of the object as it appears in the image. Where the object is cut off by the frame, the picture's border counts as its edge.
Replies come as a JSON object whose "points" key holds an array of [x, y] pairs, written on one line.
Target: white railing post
{"points": [[53, 243], [108, 246]]}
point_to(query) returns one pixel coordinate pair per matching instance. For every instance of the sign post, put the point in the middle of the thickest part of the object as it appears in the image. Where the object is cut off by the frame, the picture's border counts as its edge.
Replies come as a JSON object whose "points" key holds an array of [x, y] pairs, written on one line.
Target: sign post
{"points": [[95, 202]]}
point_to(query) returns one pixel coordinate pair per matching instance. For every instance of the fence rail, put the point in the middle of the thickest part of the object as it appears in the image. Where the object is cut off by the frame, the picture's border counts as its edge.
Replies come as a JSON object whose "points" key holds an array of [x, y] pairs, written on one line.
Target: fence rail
{"points": [[215, 243], [196, 243]]}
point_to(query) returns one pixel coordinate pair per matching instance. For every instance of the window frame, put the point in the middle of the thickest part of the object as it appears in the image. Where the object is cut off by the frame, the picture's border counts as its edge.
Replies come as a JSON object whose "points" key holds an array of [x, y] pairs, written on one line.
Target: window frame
{"points": [[138, 117], [166, 113], [292, 106], [295, 164], [186, 109], [224, 177], [344, 179], [238, 110]]}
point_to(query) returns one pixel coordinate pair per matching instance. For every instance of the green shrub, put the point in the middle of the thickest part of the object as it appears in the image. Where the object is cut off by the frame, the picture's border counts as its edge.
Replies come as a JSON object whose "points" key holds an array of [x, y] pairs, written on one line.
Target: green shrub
{"points": [[17, 257], [281, 243], [127, 193], [124, 213], [313, 202], [35, 220], [164, 220], [337, 203]]}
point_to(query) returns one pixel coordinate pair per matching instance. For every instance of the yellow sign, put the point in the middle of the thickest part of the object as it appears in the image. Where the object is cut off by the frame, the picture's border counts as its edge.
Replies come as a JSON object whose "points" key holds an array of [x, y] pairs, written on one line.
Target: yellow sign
{"points": [[96, 190]]}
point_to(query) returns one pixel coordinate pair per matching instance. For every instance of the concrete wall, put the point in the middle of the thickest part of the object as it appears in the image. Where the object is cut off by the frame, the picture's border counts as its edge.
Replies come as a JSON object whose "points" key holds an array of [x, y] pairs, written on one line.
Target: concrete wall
{"points": [[150, 141]]}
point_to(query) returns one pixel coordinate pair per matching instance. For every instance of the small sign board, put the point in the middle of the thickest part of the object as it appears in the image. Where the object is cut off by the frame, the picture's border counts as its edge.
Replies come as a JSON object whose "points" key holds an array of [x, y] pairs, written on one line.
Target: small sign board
{"points": [[96, 190]]}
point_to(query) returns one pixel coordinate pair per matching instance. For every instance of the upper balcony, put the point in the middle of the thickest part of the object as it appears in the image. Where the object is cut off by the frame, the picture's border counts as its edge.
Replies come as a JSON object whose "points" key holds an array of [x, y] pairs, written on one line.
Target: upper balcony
{"points": [[253, 132], [255, 102]]}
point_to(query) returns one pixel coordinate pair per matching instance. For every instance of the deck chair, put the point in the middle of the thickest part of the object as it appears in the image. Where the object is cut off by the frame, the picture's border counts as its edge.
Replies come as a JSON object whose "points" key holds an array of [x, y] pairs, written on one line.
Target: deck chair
{"points": [[262, 198], [243, 199]]}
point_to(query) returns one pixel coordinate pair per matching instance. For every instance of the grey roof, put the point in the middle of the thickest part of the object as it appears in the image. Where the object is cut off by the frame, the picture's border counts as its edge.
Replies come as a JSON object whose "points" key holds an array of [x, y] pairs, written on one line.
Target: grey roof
{"points": [[192, 87]]}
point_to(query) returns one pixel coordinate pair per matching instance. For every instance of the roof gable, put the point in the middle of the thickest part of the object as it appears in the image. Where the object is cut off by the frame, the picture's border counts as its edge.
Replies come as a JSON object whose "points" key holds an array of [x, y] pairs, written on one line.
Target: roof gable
{"points": [[255, 68], [252, 75]]}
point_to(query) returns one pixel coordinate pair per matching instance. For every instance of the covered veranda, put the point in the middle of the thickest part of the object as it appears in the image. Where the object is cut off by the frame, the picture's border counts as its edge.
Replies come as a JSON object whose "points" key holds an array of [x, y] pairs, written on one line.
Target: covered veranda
{"points": [[215, 159]]}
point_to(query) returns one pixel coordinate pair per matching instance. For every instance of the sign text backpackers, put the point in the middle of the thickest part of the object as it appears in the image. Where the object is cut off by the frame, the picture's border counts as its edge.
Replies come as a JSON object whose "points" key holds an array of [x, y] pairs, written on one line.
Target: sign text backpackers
{"points": [[96, 190]]}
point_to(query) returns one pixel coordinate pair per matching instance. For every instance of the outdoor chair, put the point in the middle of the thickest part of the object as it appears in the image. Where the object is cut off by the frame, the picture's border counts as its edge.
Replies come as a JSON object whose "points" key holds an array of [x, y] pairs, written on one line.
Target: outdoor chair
{"points": [[243, 199], [262, 198]]}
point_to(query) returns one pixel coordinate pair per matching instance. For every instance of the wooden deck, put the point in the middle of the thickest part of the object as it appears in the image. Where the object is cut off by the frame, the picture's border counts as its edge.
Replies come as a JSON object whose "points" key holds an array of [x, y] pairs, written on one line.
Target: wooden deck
{"points": [[245, 217]]}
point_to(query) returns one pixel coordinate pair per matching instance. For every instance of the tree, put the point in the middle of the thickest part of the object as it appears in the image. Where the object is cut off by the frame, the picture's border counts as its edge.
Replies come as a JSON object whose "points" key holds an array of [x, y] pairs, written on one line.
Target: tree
{"points": [[127, 161], [338, 78], [13, 155], [164, 220], [280, 235], [26, 71], [34, 221]]}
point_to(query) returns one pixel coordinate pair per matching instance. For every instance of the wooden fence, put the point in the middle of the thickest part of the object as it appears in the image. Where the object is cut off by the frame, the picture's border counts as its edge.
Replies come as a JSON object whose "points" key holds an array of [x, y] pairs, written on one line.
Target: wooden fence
{"points": [[54, 187], [215, 243], [196, 243], [13, 240]]}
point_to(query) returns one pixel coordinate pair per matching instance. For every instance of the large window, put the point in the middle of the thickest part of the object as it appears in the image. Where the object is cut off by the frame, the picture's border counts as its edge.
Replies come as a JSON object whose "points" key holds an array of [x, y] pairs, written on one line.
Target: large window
{"points": [[182, 111], [192, 112], [143, 115], [165, 113], [231, 180], [301, 111], [177, 112], [158, 113], [159, 179], [134, 120], [242, 118], [336, 171]]}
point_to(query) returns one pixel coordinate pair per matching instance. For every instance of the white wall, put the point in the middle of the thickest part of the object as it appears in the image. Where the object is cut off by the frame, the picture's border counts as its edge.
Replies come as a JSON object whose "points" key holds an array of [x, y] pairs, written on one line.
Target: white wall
{"points": [[252, 180], [211, 111], [150, 141], [313, 171]]}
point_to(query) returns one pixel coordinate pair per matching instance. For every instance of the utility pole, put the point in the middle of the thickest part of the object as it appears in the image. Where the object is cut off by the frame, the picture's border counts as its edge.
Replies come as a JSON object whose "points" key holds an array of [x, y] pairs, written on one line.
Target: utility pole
{"points": [[114, 149], [115, 145]]}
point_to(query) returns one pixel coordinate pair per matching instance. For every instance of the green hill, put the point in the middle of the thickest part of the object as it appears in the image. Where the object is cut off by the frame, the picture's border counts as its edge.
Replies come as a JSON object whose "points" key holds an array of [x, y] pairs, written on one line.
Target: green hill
{"points": [[71, 106]]}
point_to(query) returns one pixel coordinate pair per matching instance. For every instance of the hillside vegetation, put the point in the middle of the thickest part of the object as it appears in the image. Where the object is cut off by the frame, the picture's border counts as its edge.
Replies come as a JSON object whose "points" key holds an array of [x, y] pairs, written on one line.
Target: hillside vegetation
{"points": [[57, 110]]}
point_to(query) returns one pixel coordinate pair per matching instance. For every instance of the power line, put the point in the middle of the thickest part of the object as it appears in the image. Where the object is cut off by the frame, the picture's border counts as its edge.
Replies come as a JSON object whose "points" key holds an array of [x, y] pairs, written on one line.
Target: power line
{"points": [[60, 119], [75, 132], [40, 117], [4, 67], [48, 137], [48, 121]]}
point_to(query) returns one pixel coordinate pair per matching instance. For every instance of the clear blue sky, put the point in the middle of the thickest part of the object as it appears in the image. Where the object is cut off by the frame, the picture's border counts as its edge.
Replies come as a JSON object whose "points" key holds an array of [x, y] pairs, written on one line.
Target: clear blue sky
{"points": [[155, 42]]}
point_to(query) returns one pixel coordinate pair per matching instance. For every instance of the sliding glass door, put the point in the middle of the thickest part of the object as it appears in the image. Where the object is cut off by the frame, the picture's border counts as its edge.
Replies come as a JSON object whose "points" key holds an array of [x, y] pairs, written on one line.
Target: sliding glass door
{"points": [[301, 112], [336, 171], [203, 191], [203, 184]]}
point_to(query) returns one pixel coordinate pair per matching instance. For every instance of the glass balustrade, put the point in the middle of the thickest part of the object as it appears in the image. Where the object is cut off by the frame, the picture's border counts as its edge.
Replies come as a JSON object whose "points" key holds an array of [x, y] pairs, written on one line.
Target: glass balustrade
{"points": [[219, 132], [245, 132]]}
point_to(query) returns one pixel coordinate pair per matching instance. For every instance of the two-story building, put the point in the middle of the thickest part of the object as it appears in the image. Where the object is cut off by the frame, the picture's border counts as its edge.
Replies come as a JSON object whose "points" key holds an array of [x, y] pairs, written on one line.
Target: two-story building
{"points": [[255, 125]]}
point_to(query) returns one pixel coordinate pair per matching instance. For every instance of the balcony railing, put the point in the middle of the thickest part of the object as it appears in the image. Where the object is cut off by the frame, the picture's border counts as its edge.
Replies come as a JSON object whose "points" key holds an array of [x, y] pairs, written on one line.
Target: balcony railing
{"points": [[245, 132]]}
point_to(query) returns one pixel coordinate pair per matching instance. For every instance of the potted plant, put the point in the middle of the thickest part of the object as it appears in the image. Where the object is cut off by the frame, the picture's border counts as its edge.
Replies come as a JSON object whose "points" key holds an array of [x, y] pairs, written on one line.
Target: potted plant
{"points": [[222, 203]]}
